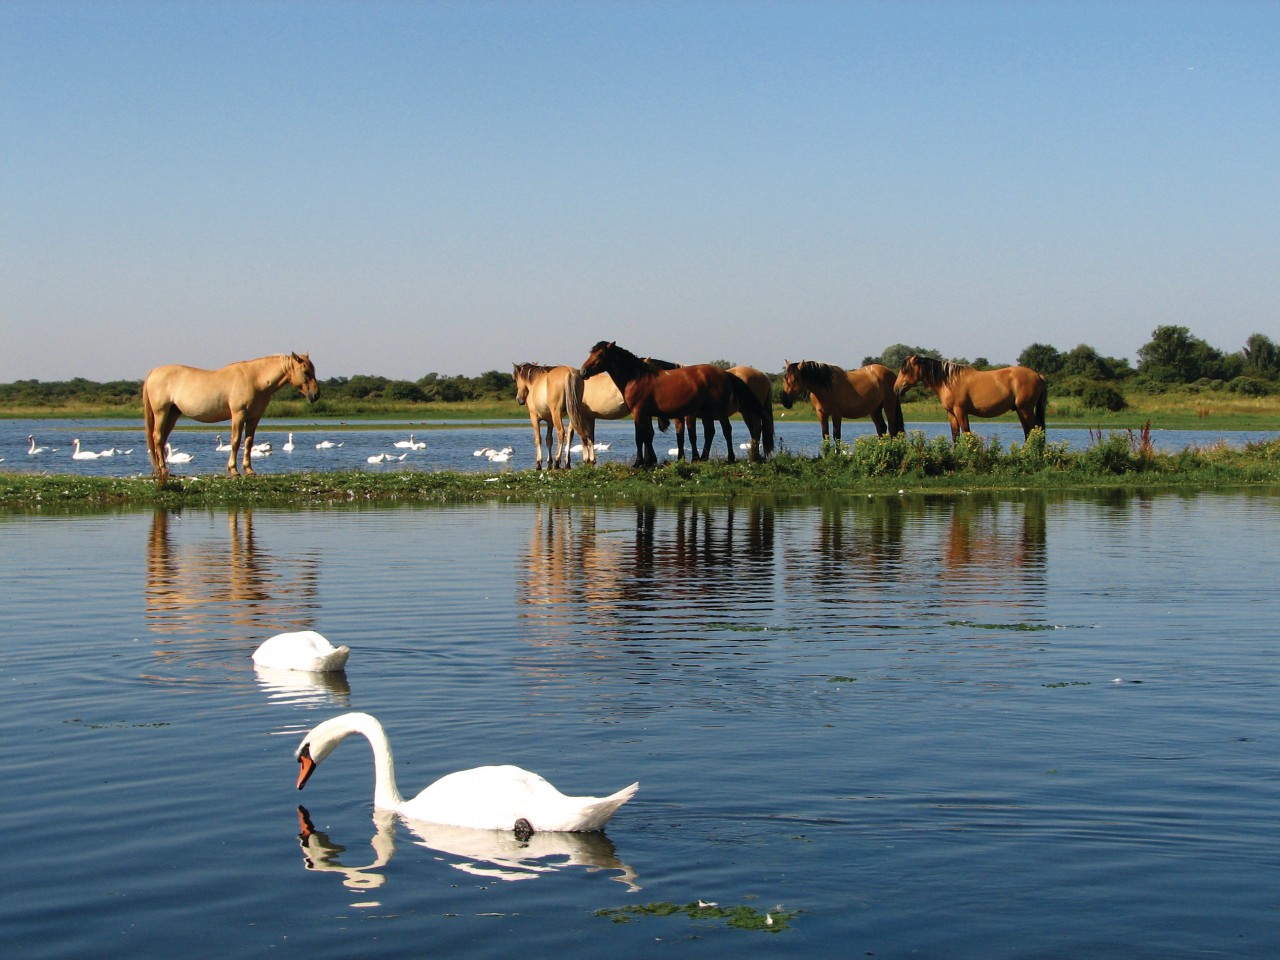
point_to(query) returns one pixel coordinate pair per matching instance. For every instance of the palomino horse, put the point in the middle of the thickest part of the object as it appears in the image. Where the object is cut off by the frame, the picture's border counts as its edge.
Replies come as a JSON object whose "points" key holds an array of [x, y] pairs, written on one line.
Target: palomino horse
{"points": [[701, 391], [966, 392], [238, 392], [546, 391], [837, 393]]}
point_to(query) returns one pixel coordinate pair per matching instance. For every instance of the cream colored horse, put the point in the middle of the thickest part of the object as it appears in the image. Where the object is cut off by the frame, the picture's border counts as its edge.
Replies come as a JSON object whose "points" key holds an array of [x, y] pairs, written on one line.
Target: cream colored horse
{"points": [[545, 392], [238, 392], [599, 399]]}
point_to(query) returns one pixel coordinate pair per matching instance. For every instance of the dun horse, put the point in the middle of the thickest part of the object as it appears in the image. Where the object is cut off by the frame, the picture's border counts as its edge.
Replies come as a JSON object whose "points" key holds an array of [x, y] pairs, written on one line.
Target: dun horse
{"points": [[701, 390], [837, 393], [964, 391], [546, 392], [238, 392]]}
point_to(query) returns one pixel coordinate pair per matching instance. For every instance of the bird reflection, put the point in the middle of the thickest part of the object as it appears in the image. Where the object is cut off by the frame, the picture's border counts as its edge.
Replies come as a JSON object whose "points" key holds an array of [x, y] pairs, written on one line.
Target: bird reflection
{"points": [[301, 687], [491, 854]]}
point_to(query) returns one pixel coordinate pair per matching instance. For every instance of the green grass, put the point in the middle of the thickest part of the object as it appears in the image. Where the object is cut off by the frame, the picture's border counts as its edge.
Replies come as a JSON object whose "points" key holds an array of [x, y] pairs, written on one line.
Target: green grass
{"points": [[872, 466]]}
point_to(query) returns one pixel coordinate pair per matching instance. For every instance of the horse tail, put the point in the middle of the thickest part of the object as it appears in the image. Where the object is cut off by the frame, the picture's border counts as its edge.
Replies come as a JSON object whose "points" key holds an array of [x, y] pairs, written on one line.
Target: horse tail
{"points": [[892, 408], [573, 387], [749, 403], [149, 421], [1042, 404]]}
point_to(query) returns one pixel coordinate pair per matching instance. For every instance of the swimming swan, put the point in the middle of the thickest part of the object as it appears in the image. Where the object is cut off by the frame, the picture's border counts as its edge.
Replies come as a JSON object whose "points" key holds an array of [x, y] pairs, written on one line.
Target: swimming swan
{"points": [[33, 450], [485, 798], [303, 650], [173, 456], [79, 454]]}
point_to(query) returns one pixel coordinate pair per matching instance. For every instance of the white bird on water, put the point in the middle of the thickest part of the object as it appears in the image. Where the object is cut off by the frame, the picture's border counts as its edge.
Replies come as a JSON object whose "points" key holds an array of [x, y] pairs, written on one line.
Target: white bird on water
{"points": [[78, 454], [174, 456], [33, 449], [288, 444], [500, 456], [385, 458], [301, 650], [327, 445], [483, 798], [222, 447], [411, 444]]}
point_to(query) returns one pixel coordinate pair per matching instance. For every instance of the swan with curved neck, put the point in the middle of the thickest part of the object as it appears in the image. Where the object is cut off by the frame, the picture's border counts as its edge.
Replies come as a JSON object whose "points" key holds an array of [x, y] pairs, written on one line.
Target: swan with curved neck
{"points": [[484, 798]]}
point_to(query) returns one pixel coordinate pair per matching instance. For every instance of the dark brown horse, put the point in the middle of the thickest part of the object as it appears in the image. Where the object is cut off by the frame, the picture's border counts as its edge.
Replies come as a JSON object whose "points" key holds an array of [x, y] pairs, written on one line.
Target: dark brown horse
{"points": [[701, 391], [964, 391], [837, 393]]}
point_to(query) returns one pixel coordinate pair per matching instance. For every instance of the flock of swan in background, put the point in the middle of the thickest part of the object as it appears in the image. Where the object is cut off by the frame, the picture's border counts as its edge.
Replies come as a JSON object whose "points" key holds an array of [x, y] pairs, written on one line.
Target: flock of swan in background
{"points": [[172, 455]]}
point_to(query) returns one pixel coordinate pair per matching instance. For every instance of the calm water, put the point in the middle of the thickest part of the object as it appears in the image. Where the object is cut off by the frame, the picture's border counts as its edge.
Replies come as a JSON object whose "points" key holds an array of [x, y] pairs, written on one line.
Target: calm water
{"points": [[450, 449], [969, 727]]}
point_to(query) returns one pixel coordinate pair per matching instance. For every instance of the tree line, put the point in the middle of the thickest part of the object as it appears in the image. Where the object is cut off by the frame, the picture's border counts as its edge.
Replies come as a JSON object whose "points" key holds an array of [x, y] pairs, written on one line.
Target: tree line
{"points": [[1173, 357]]}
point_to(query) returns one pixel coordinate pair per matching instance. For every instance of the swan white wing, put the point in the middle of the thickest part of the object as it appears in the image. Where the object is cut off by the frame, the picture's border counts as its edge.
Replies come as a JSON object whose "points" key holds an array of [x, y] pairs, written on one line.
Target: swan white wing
{"points": [[494, 798], [301, 650]]}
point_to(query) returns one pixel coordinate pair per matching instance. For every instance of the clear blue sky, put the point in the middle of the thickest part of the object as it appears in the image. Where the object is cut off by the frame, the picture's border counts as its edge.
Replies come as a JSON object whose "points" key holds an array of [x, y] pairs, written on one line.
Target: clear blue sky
{"points": [[407, 187]]}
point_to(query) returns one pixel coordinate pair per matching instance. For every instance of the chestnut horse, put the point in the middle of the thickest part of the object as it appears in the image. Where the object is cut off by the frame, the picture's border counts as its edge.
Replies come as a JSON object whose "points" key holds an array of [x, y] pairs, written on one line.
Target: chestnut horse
{"points": [[837, 393], [238, 392], [600, 399], [701, 390], [761, 386], [546, 391], [966, 392]]}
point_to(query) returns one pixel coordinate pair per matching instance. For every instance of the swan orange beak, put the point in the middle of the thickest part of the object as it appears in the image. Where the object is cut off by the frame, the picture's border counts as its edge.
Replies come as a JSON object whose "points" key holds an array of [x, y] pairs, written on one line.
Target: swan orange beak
{"points": [[307, 767]]}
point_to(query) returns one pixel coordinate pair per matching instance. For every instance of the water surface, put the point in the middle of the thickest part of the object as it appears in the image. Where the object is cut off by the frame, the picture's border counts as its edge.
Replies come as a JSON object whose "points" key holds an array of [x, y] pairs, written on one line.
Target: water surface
{"points": [[936, 726]]}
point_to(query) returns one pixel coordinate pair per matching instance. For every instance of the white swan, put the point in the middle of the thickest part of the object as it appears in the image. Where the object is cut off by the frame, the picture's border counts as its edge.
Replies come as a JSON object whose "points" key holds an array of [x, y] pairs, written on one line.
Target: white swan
{"points": [[303, 650], [288, 444], [33, 449], [485, 798], [411, 444], [328, 445], [173, 456], [222, 447], [385, 458], [484, 452], [78, 454], [260, 449]]}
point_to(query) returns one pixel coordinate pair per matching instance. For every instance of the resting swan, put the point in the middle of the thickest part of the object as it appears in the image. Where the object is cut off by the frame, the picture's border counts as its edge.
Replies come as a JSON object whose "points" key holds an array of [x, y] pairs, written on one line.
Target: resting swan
{"points": [[302, 650], [485, 798]]}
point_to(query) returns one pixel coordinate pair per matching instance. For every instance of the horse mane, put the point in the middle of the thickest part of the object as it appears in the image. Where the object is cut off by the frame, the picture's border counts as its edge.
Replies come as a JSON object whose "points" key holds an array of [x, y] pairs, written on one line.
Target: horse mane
{"points": [[657, 365], [937, 373], [531, 370], [815, 373]]}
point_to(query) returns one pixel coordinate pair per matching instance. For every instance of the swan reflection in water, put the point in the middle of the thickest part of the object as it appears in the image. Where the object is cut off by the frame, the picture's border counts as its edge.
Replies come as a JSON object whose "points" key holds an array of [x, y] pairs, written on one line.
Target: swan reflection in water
{"points": [[295, 687], [491, 854]]}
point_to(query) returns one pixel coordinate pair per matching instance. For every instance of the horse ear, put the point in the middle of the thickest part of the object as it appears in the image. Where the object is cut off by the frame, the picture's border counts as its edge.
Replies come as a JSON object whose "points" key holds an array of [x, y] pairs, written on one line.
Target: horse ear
{"points": [[612, 344]]}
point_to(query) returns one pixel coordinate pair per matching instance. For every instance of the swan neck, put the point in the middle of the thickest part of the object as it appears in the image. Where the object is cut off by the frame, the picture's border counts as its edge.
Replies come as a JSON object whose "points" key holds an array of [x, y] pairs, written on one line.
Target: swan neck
{"points": [[385, 793]]}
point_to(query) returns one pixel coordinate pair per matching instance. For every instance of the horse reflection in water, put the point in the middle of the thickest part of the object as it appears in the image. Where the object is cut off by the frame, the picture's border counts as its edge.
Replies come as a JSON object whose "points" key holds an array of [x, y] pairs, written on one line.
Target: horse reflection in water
{"points": [[198, 584], [491, 854], [991, 552], [606, 566]]}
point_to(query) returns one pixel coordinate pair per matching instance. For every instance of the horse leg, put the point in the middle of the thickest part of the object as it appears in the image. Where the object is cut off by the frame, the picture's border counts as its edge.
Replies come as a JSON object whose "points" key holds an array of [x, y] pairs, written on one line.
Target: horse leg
{"points": [[727, 430], [709, 431], [246, 458], [686, 425], [237, 434], [836, 421], [877, 417], [164, 425], [826, 428], [958, 423]]}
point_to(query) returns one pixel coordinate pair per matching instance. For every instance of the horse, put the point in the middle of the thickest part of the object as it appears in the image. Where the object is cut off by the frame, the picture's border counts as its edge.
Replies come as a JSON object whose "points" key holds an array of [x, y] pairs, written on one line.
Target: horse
{"points": [[837, 393], [545, 391], [964, 391], [600, 399], [701, 390], [761, 386], [238, 392]]}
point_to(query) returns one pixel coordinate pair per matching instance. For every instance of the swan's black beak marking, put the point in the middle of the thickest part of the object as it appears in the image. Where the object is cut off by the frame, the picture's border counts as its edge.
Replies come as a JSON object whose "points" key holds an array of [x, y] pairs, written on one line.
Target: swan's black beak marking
{"points": [[306, 764]]}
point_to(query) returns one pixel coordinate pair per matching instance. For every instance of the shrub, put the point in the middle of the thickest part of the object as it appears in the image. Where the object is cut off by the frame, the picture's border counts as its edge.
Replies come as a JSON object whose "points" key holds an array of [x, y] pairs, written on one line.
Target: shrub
{"points": [[1102, 396]]}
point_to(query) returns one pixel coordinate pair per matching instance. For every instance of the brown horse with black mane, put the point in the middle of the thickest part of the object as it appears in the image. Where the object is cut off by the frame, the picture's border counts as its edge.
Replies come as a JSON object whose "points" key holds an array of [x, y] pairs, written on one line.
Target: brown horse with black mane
{"points": [[965, 391], [238, 392], [837, 393], [701, 390]]}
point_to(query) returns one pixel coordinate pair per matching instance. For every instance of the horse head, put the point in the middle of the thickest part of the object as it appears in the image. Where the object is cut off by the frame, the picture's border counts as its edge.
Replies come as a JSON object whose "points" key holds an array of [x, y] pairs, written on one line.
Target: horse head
{"points": [[302, 374], [601, 358], [791, 388], [908, 376], [519, 372]]}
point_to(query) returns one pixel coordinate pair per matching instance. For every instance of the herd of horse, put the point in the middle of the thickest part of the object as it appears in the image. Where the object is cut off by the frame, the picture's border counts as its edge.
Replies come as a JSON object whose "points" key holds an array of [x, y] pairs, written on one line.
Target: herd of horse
{"points": [[614, 383]]}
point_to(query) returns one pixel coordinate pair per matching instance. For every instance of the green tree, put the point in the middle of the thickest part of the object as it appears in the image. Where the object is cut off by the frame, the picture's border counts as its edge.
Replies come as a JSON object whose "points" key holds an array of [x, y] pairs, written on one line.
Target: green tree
{"points": [[1042, 358], [1174, 356], [894, 354], [1261, 357]]}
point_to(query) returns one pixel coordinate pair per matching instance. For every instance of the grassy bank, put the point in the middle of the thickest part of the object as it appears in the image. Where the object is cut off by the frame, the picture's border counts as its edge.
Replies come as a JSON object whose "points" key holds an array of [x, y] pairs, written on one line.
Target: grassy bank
{"points": [[871, 466]]}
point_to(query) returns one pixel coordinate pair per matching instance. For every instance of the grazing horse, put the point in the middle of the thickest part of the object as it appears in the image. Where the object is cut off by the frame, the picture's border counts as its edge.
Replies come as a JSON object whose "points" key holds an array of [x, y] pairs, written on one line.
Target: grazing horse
{"points": [[700, 391], [238, 392], [545, 391], [966, 392], [837, 393]]}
